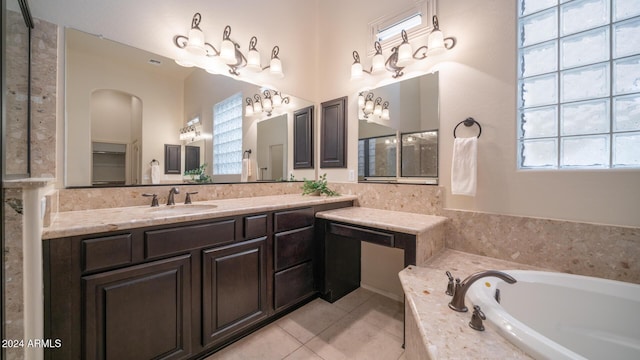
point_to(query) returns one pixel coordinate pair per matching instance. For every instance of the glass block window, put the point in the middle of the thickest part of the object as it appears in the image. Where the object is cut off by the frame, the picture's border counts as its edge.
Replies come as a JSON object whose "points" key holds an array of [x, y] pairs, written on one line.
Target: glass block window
{"points": [[227, 136], [578, 84]]}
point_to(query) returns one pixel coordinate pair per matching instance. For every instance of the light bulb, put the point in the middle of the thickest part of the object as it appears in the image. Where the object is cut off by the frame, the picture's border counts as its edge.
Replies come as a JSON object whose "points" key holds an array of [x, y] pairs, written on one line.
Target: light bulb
{"points": [[377, 110], [405, 54], [275, 67], [368, 107], [377, 64], [435, 43], [385, 114], [195, 45], [253, 61], [356, 71], [228, 52], [277, 99]]}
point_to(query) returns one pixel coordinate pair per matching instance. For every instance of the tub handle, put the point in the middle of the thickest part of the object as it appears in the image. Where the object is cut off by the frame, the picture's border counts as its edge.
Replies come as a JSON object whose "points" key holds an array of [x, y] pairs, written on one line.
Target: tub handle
{"points": [[450, 284], [476, 319]]}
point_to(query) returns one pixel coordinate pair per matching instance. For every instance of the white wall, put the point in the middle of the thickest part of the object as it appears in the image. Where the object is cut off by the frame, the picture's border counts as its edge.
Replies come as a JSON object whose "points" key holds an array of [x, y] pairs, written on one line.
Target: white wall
{"points": [[478, 79]]}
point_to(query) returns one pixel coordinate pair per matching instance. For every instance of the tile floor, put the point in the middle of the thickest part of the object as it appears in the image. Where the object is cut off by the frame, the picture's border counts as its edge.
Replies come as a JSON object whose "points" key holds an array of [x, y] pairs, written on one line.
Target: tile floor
{"points": [[361, 325]]}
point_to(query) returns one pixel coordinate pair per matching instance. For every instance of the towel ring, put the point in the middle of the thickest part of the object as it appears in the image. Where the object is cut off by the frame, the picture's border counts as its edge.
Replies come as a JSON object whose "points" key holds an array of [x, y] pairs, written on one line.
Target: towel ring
{"points": [[154, 161], [246, 154], [468, 122]]}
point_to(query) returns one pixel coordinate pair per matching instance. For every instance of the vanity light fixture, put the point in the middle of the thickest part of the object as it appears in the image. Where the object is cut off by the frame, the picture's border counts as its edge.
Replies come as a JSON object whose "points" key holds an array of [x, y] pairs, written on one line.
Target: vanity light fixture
{"points": [[265, 103], [403, 54], [200, 53], [368, 106], [191, 132]]}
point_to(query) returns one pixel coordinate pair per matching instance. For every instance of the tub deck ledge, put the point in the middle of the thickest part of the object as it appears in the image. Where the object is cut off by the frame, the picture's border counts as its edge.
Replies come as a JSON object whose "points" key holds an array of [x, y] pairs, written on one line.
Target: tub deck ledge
{"points": [[432, 330]]}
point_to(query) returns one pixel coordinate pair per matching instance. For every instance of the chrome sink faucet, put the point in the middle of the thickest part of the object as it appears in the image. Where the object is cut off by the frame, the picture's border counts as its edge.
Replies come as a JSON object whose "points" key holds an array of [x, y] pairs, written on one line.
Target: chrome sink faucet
{"points": [[172, 192], [460, 290]]}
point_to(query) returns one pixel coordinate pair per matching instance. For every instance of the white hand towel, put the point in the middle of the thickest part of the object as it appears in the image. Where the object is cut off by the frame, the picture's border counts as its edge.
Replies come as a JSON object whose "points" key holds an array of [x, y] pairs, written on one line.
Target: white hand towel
{"points": [[246, 170], [464, 166], [155, 173]]}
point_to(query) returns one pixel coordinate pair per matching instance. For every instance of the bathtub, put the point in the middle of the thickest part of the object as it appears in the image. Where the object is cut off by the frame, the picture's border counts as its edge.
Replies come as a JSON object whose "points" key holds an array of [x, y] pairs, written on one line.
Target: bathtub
{"points": [[563, 316]]}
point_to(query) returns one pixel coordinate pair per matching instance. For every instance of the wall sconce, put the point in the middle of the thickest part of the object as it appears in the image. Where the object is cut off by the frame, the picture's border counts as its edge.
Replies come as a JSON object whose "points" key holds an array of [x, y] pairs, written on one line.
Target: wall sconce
{"points": [[203, 54], [267, 104], [192, 132], [367, 106], [403, 54]]}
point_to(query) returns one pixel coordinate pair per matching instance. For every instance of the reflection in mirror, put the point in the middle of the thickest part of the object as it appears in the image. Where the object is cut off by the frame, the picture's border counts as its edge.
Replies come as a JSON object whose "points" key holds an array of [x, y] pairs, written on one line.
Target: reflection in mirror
{"points": [[413, 108], [378, 157], [192, 158], [420, 154], [272, 149], [150, 100]]}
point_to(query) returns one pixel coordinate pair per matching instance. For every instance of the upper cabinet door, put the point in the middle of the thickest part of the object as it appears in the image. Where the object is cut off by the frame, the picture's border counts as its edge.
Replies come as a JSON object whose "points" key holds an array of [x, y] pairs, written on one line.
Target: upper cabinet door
{"points": [[303, 138], [333, 136], [172, 157]]}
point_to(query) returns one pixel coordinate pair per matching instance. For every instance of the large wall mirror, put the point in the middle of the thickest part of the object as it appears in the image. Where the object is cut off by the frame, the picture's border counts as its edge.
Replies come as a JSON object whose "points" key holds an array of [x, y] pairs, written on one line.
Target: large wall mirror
{"points": [[137, 101], [398, 131]]}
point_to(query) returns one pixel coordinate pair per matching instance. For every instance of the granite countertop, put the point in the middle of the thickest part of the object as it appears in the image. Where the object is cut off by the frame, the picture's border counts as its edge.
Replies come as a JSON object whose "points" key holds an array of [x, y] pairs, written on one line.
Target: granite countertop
{"points": [[446, 333], [73, 223], [408, 223]]}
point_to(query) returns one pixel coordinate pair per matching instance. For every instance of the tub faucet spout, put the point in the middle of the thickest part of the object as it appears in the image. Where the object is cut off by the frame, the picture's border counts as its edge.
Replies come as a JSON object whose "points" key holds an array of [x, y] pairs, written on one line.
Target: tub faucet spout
{"points": [[457, 303]]}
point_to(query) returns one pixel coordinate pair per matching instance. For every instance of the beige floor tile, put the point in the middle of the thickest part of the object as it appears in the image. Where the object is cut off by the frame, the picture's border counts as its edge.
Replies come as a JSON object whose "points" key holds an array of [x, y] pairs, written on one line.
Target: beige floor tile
{"points": [[384, 313], [352, 338], [354, 299], [303, 353], [269, 343], [311, 319]]}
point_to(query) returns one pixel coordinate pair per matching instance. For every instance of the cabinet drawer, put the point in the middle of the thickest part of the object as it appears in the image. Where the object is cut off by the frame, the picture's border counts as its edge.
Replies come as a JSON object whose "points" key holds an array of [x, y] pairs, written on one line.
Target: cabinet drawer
{"points": [[367, 235], [294, 219], [293, 247], [106, 252], [185, 238], [293, 285], [255, 226]]}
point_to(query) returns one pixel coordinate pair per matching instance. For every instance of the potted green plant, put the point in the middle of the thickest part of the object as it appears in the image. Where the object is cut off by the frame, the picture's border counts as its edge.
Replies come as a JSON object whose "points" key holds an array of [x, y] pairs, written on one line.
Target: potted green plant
{"points": [[317, 187], [198, 174]]}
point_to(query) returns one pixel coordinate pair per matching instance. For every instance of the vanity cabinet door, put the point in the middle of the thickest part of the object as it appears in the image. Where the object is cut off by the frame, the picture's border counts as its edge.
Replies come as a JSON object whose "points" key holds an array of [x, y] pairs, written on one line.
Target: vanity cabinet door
{"points": [[234, 289], [140, 312]]}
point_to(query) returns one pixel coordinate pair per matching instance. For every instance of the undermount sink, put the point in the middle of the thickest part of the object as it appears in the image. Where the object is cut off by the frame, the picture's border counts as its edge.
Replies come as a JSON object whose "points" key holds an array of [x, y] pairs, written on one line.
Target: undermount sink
{"points": [[181, 209]]}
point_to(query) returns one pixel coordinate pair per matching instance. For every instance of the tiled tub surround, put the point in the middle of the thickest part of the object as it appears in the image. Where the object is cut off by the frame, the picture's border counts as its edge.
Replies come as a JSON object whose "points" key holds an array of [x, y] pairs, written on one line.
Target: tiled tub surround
{"points": [[610, 252], [428, 229], [432, 330]]}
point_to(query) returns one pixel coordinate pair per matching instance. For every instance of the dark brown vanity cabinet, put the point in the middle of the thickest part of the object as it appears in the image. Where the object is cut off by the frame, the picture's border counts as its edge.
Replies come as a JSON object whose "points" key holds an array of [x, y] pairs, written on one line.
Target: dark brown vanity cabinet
{"points": [[177, 291], [234, 288], [139, 312], [294, 252]]}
